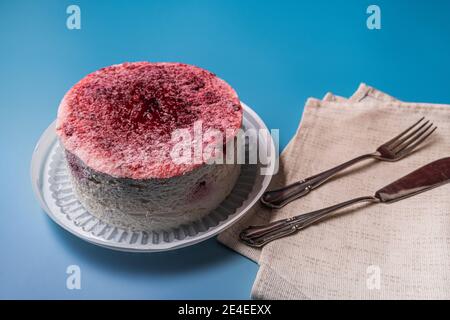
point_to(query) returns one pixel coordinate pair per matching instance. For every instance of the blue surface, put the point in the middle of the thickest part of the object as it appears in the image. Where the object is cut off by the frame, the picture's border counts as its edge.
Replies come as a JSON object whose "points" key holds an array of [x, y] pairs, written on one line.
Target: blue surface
{"points": [[274, 53]]}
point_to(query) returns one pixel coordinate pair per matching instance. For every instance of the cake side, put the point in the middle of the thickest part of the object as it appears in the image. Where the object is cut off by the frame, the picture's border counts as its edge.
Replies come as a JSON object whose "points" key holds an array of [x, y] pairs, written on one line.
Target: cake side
{"points": [[152, 204]]}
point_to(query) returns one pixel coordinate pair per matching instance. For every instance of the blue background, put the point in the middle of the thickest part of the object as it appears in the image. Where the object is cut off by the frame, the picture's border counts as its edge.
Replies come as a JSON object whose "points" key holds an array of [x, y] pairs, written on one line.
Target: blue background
{"points": [[274, 53]]}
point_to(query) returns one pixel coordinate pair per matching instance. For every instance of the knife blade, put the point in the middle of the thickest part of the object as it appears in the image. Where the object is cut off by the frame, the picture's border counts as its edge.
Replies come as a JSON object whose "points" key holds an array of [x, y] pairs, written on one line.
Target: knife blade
{"points": [[423, 179]]}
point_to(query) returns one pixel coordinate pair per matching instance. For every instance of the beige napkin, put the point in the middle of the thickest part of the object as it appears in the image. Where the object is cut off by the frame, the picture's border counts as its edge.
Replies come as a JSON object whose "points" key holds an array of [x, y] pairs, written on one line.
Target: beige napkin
{"points": [[403, 248]]}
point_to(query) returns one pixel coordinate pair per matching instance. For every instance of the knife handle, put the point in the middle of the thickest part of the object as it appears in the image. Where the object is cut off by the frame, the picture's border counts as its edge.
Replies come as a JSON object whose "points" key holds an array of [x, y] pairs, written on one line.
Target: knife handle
{"points": [[278, 198], [259, 236]]}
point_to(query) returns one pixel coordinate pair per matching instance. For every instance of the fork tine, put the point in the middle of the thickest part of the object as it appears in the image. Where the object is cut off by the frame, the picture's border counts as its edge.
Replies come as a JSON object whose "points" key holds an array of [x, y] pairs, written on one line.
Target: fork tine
{"points": [[404, 132], [412, 139], [399, 142], [416, 142]]}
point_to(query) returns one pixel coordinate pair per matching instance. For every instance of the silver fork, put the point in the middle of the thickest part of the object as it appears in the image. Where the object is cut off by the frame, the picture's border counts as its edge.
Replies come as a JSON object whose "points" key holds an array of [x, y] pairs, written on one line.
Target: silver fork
{"points": [[393, 150]]}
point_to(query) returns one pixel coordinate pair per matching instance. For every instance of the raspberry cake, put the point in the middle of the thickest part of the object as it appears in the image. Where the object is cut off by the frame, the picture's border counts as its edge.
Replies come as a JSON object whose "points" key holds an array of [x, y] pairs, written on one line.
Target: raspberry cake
{"points": [[116, 127]]}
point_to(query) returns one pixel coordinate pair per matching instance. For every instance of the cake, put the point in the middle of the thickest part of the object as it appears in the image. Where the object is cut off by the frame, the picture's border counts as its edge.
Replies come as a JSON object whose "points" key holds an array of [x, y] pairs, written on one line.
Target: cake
{"points": [[116, 127]]}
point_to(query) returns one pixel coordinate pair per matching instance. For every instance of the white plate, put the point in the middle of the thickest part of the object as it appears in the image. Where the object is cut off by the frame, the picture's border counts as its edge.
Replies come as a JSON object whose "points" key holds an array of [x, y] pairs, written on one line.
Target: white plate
{"points": [[52, 187]]}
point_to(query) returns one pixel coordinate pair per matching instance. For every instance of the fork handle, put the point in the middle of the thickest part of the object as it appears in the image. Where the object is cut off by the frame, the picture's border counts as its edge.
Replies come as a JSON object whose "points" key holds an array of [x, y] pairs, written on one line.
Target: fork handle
{"points": [[258, 236], [280, 197]]}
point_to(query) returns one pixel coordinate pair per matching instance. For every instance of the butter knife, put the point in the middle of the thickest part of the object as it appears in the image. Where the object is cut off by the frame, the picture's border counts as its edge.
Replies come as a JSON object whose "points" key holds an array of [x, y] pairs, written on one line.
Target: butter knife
{"points": [[427, 177]]}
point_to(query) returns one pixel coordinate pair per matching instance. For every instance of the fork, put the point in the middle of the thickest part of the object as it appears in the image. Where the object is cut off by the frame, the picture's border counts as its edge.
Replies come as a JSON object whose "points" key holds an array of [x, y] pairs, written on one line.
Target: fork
{"points": [[393, 150]]}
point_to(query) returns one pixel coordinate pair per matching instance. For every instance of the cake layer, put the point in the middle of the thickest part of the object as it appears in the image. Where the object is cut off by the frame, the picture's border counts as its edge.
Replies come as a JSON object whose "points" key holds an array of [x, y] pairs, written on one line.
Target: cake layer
{"points": [[119, 120], [152, 204]]}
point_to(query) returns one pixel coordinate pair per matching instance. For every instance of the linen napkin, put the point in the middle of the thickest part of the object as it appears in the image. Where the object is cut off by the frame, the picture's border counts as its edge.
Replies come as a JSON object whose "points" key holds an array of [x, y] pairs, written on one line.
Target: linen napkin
{"points": [[403, 246]]}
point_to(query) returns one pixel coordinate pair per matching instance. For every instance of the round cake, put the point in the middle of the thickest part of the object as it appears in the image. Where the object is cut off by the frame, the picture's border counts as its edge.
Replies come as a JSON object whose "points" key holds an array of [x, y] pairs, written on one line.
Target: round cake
{"points": [[117, 127]]}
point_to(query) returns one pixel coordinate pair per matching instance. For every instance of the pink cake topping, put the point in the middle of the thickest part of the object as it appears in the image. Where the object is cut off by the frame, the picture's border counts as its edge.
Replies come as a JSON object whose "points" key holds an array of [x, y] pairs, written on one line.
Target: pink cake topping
{"points": [[119, 120]]}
